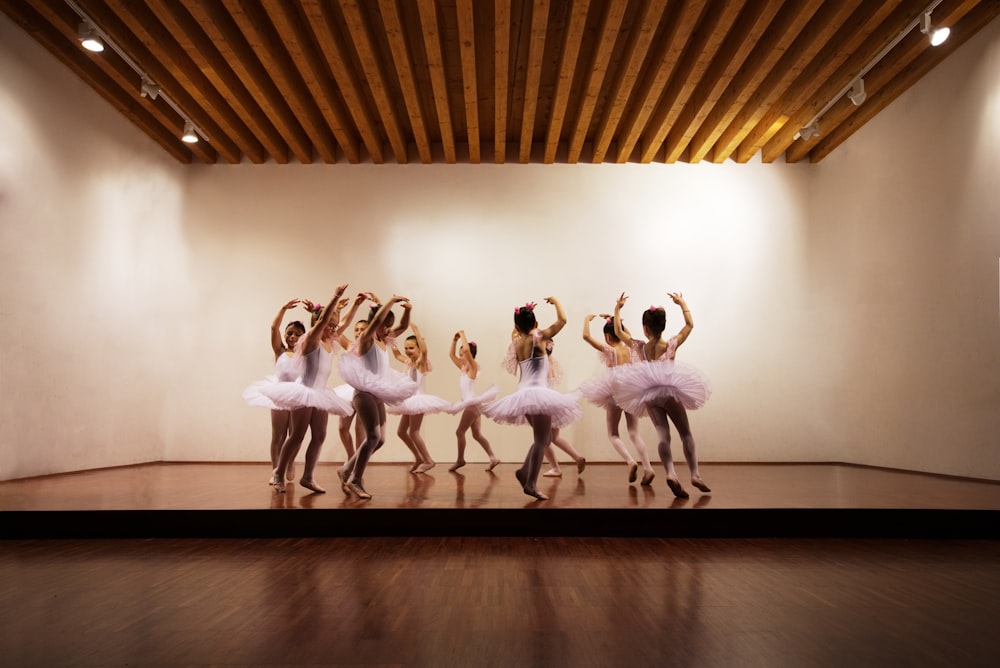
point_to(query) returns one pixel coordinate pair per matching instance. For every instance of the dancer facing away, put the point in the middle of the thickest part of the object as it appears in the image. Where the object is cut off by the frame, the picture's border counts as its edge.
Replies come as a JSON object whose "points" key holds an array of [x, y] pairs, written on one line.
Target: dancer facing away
{"points": [[366, 369], [665, 388], [346, 392], [415, 407], [555, 378], [286, 369], [470, 405], [310, 400], [615, 354], [534, 401]]}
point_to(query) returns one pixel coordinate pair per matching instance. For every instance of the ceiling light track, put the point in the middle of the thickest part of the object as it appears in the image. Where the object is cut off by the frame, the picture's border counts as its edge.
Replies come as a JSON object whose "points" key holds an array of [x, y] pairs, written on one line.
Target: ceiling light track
{"points": [[855, 91], [91, 35]]}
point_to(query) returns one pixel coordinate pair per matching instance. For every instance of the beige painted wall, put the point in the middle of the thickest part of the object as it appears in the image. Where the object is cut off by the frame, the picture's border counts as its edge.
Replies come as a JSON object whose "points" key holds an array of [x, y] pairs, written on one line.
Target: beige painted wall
{"points": [[137, 293]]}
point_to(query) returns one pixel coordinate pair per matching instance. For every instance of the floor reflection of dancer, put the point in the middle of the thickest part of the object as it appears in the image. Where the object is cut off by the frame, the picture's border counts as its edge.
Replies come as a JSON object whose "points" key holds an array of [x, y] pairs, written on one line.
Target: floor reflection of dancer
{"points": [[615, 354], [664, 387], [309, 399], [534, 401], [470, 404], [346, 392], [413, 409], [559, 441], [366, 369], [286, 369]]}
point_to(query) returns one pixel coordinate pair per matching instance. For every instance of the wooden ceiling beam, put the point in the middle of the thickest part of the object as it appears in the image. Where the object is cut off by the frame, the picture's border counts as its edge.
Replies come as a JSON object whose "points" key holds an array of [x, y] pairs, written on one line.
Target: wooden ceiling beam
{"points": [[740, 40], [295, 35], [317, 13], [611, 22], [364, 46], [893, 77], [396, 37], [568, 60], [193, 41], [703, 36], [643, 31], [501, 78], [470, 88], [804, 50], [112, 78], [533, 76], [158, 54], [435, 65]]}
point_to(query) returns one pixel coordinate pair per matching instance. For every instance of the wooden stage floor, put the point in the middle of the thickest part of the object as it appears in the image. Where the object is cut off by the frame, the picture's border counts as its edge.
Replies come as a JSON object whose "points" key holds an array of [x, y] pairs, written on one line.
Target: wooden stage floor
{"points": [[755, 500]]}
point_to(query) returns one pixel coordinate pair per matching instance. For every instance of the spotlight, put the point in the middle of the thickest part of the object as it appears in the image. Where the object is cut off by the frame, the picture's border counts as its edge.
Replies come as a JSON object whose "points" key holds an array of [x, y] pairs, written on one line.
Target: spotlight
{"points": [[858, 94], [937, 36], [809, 131], [149, 88], [189, 136], [89, 38]]}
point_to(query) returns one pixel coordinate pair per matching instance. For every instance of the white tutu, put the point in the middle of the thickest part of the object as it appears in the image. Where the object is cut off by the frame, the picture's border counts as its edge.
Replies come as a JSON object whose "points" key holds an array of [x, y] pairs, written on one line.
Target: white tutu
{"points": [[388, 386], [253, 396], [600, 390], [654, 382], [534, 397], [345, 392], [420, 404], [292, 395]]}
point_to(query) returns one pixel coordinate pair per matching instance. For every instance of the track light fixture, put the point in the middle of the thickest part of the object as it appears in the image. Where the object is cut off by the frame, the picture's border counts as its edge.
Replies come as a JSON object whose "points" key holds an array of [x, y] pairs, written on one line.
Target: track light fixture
{"points": [[810, 131], [937, 36], [149, 89], [190, 136], [857, 95], [89, 38]]}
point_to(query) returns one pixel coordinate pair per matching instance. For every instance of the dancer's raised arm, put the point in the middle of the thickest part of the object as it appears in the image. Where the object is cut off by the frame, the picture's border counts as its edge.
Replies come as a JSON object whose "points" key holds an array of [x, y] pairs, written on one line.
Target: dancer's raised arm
{"points": [[620, 330], [560, 322], [682, 335], [586, 334], [330, 318], [277, 344]]}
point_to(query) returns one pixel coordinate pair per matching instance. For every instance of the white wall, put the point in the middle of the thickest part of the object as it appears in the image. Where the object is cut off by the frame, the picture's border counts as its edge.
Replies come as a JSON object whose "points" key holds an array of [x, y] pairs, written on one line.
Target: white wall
{"points": [[137, 295]]}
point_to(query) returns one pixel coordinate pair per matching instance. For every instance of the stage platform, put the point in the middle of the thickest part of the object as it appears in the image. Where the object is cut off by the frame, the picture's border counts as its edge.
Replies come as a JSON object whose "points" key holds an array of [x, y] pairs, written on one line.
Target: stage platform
{"points": [[227, 500]]}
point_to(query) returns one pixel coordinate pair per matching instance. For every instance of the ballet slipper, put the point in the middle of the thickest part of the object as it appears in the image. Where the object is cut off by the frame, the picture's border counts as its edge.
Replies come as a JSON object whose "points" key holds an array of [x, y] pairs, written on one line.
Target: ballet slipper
{"points": [[531, 491], [633, 471], [416, 465], [457, 465], [424, 468], [675, 486], [647, 478], [290, 472], [580, 465], [358, 491], [700, 484], [494, 462], [310, 485], [552, 473], [521, 478], [271, 481], [279, 487]]}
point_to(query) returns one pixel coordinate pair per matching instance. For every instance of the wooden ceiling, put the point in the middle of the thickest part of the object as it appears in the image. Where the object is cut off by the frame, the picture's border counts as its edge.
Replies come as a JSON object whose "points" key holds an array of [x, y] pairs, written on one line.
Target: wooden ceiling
{"points": [[524, 81]]}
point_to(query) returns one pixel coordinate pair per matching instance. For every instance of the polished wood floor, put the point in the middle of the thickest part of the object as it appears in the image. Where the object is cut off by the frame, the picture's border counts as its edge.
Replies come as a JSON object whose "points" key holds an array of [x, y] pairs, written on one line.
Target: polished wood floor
{"points": [[167, 486], [499, 602]]}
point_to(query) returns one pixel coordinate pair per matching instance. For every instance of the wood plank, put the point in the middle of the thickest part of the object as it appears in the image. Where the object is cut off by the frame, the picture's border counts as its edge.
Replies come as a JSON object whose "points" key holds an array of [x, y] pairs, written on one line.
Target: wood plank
{"points": [[568, 60], [533, 76], [501, 78], [470, 89], [435, 65]]}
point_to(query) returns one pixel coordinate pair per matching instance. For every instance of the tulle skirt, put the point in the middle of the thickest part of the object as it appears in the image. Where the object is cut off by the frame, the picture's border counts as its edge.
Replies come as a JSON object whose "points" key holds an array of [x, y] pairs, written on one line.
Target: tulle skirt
{"points": [[654, 382], [253, 395], [390, 387], [535, 400], [600, 390], [476, 401], [345, 392], [292, 395], [420, 404]]}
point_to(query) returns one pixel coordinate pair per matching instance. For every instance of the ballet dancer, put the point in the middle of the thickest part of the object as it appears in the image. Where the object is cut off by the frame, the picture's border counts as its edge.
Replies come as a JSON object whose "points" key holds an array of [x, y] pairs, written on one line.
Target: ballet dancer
{"points": [[286, 369], [470, 405], [534, 401], [366, 369], [309, 399], [414, 408], [346, 392], [555, 379], [664, 387], [615, 354]]}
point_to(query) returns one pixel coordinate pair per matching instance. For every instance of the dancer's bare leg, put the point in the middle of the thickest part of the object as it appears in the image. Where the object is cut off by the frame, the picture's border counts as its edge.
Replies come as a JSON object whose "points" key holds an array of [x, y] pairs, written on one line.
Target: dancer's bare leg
{"points": [[317, 428], [554, 470], [659, 417], [678, 414], [613, 416], [403, 431], [298, 423], [345, 471], [477, 433], [344, 430], [279, 433], [527, 475], [371, 412], [565, 446], [464, 423], [427, 462], [632, 424]]}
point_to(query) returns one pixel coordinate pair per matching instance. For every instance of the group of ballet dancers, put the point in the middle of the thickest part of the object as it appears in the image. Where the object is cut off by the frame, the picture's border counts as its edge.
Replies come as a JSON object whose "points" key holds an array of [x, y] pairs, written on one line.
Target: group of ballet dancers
{"points": [[641, 378]]}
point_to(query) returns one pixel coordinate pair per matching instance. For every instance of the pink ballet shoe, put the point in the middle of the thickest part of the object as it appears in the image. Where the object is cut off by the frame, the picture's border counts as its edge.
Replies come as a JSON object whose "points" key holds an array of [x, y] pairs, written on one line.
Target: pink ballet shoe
{"points": [[700, 484], [633, 471]]}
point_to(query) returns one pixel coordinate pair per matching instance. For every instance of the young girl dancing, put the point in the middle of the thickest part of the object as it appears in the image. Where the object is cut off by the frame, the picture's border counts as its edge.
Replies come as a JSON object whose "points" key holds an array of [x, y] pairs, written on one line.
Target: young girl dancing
{"points": [[366, 369], [310, 400], [555, 378], [615, 354], [534, 401], [415, 407], [470, 405], [346, 393], [664, 387], [286, 369]]}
